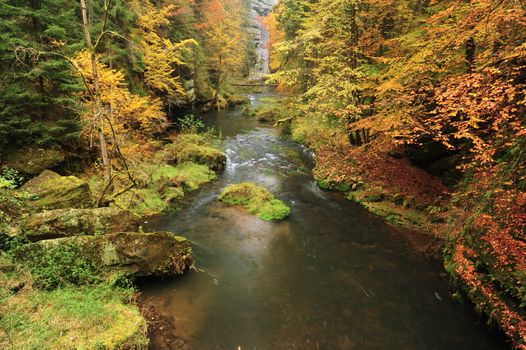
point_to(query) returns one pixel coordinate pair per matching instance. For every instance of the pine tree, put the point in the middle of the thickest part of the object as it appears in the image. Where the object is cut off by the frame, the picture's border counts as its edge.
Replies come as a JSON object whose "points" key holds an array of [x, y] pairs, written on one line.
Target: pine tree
{"points": [[38, 103]]}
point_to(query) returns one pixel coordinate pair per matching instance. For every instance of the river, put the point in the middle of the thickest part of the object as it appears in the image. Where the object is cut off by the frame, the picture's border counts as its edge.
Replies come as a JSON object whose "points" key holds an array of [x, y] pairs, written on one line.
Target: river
{"points": [[332, 276]]}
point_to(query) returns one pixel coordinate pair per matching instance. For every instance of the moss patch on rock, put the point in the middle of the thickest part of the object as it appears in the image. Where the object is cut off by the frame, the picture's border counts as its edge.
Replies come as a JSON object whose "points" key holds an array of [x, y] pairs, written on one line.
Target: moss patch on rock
{"points": [[188, 174], [88, 317], [194, 148], [109, 257], [166, 184], [53, 191], [72, 222], [257, 200]]}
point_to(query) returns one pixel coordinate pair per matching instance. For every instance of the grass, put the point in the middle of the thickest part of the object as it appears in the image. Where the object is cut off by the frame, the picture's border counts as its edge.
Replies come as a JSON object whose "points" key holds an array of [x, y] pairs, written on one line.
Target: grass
{"points": [[168, 184], [257, 200], [94, 317], [97, 316]]}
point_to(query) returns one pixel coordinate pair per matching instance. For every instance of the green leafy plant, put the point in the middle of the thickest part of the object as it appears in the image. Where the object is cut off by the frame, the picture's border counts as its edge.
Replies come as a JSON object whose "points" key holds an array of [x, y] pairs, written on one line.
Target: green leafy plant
{"points": [[58, 265], [10, 178]]}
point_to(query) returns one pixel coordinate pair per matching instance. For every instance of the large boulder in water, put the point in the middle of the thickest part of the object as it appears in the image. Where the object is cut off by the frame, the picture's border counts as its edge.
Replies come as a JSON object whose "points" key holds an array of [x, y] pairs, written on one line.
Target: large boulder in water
{"points": [[54, 191], [74, 222], [133, 254]]}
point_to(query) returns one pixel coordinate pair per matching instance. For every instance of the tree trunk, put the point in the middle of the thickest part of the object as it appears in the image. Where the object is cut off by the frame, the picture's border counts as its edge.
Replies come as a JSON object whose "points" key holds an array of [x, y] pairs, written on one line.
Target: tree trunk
{"points": [[470, 54], [98, 114]]}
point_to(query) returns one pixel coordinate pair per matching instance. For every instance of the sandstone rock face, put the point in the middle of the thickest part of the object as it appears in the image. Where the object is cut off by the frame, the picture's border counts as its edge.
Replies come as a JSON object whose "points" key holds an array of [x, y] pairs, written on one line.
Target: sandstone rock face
{"points": [[260, 8], [73, 222], [133, 254], [54, 191]]}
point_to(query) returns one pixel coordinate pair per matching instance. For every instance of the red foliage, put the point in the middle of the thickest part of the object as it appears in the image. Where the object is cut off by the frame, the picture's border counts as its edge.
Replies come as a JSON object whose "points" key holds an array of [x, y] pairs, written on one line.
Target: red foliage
{"points": [[344, 163], [483, 293]]}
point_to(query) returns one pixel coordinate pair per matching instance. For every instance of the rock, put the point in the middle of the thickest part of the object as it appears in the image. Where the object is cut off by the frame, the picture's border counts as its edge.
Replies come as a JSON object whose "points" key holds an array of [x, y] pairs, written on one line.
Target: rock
{"points": [[73, 222], [216, 160], [55, 191], [33, 161], [127, 253], [193, 148]]}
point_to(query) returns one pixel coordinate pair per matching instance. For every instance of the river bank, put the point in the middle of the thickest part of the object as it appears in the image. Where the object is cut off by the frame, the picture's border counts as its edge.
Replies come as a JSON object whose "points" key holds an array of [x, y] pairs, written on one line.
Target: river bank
{"points": [[346, 264], [67, 255]]}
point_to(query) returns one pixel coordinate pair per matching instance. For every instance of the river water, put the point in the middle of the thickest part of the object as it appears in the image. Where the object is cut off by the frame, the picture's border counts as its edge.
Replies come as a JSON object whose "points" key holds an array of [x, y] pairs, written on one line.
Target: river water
{"points": [[332, 276]]}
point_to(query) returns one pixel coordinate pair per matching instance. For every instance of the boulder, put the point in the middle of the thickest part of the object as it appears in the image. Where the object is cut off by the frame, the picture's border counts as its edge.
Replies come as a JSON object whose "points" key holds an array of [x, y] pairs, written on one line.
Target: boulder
{"points": [[33, 161], [194, 148], [54, 191], [133, 254], [216, 160], [74, 222]]}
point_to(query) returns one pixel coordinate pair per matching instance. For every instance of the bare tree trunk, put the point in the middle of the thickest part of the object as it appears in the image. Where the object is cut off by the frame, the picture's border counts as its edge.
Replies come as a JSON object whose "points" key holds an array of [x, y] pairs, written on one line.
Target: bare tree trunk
{"points": [[98, 104]]}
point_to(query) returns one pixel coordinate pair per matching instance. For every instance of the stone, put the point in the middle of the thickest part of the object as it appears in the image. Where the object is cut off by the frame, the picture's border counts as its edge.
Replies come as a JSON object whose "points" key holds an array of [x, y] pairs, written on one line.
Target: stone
{"points": [[73, 222], [133, 254], [54, 191], [33, 161], [193, 148]]}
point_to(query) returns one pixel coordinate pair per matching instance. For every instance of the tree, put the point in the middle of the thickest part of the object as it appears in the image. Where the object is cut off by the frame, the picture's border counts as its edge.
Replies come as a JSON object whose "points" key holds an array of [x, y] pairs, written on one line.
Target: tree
{"points": [[38, 103], [98, 116], [222, 29], [161, 56]]}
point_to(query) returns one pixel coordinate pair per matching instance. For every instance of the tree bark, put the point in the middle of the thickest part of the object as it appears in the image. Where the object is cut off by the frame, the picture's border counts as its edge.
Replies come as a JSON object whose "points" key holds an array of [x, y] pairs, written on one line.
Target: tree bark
{"points": [[98, 104], [470, 54]]}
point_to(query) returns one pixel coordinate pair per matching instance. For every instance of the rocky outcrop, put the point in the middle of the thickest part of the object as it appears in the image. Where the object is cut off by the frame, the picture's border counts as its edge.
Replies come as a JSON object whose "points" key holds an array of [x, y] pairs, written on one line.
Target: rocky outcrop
{"points": [[134, 254], [73, 222], [258, 9], [193, 148], [33, 161], [53, 191]]}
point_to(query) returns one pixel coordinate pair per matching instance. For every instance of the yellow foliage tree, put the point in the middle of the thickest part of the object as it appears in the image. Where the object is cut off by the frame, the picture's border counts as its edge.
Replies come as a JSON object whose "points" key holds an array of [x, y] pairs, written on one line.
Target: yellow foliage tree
{"points": [[161, 55], [225, 39], [125, 114]]}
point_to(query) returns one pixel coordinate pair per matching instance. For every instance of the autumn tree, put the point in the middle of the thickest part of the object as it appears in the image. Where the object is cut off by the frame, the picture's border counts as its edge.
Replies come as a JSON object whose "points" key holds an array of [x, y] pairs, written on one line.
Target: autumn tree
{"points": [[161, 56], [225, 38]]}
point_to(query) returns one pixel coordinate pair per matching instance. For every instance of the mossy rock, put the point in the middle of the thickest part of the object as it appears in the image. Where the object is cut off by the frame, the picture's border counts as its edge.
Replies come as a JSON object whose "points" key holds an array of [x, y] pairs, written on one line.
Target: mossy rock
{"points": [[331, 185], [33, 161], [214, 159], [54, 191], [194, 148], [73, 222], [133, 254], [257, 200]]}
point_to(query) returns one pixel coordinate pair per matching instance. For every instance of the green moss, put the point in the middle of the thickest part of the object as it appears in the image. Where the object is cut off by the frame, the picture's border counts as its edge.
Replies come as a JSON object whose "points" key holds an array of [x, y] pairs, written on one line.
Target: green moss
{"points": [[334, 186], [87, 318], [194, 148], [168, 184], [193, 175], [257, 200]]}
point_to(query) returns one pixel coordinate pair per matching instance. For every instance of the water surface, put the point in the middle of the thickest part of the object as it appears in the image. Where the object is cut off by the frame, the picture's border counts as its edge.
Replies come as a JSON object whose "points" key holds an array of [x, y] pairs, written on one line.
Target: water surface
{"points": [[332, 276]]}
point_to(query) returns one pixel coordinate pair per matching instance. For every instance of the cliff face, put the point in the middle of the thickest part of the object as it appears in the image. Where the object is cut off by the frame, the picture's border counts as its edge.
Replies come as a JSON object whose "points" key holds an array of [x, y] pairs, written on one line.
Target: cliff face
{"points": [[260, 8]]}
